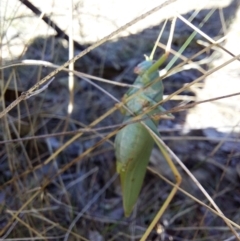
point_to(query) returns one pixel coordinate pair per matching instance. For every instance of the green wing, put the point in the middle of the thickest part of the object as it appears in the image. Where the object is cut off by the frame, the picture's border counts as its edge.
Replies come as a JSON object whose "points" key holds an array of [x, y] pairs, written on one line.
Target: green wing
{"points": [[133, 146]]}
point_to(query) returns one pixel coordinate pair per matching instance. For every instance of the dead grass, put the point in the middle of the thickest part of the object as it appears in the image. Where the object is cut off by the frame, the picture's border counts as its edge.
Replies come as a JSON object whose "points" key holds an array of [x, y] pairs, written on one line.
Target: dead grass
{"points": [[57, 170]]}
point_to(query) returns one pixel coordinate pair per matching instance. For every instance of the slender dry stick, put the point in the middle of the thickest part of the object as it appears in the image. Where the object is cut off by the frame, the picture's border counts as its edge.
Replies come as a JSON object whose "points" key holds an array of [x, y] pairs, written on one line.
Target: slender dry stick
{"points": [[71, 68], [24, 95], [67, 166], [216, 43], [89, 129], [80, 158], [41, 84], [157, 116], [195, 199], [71, 56], [198, 185], [192, 83], [88, 205]]}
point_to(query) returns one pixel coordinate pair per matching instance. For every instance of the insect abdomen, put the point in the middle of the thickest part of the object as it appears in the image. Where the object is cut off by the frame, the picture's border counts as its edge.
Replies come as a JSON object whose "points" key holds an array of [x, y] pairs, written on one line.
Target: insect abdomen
{"points": [[133, 145]]}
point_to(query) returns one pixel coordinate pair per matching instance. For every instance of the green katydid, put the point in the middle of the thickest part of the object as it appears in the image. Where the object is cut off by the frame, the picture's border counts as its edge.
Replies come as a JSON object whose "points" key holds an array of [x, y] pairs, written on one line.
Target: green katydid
{"points": [[134, 142]]}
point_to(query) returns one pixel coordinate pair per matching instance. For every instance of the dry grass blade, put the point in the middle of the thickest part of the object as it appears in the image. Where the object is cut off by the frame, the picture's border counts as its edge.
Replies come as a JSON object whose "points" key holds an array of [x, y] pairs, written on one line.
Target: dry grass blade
{"points": [[56, 148], [84, 52]]}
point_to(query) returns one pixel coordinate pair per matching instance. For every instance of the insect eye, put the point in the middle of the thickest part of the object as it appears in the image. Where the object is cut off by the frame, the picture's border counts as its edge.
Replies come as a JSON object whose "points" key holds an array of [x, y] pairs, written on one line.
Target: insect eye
{"points": [[142, 67]]}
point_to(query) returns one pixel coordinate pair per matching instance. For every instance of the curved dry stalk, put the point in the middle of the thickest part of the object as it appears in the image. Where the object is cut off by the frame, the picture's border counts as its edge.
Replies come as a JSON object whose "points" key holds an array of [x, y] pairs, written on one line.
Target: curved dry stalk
{"points": [[105, 138], [24, 95], [195, 199], [204, 192]]}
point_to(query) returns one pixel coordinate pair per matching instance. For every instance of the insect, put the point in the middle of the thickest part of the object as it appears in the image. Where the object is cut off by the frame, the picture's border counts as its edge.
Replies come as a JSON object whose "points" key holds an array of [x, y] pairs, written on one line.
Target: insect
{"points": [[135, 141]]}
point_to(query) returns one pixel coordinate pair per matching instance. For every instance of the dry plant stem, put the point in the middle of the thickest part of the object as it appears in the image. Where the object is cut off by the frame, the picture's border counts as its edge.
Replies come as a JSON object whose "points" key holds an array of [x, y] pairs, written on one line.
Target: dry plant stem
{"points": [[79, 74], [39, 216], [44, 185], [73, 162], [20, 220], [174, 190], [195, 199], [166, 138], [89, 129], [51, 65], [71, 65], [216, 43], [174, 110], [167, 74], [188, 106], [163, 46], [10, 229], [192, 83], [48, 21], [89, 204], [30, 95], [190, 38], [175, 187], [71, 69], [44, 63], [65, 145], [84, 52], [135, 119], [131, 164], [214, 197], [199, 186]]}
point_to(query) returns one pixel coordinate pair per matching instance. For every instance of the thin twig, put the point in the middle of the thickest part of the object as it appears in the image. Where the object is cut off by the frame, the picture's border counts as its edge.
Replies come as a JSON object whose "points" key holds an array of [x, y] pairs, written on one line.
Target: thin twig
{"points": [[81, 54]]}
